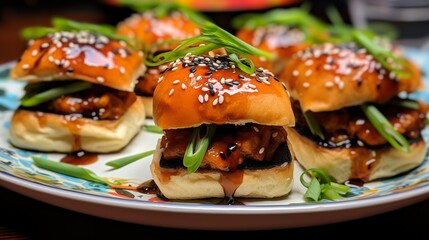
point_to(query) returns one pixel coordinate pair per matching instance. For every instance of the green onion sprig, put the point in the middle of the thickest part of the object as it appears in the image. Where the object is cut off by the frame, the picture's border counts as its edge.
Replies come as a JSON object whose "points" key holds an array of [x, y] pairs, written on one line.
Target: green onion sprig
{"points": [[383, 126], [153, 129], [161, 9], [314, 28], [41, 97], [322, 186], [197, 147], [313, 124], [213, 37], [391, 62], [62, 24], [121, 162], [68, 169]]}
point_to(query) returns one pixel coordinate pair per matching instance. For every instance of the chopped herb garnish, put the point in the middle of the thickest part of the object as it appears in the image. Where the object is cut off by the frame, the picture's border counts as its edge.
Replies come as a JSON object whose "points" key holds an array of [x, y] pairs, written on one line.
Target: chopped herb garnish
{"points": [[153, 128], [213, 37], [68, 169], [121, 162], [197, 146], [313, 124], [321, 186], [41, 97], [383, 126]]}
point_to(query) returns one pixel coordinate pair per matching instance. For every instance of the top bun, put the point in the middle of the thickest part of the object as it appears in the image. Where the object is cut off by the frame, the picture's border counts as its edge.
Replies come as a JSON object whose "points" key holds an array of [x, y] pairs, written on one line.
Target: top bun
{"points": [[80, 55], [151, 30], [329, 77], [199, 90]]}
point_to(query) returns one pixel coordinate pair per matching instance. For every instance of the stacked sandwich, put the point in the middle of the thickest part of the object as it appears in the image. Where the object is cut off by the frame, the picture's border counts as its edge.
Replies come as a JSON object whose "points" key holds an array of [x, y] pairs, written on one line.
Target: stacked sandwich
{"points": [[80, 91]]}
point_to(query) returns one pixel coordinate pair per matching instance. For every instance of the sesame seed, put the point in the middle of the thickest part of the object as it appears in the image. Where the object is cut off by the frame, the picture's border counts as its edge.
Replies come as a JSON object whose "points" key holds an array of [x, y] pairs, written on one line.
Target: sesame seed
{"points": [[308, 72], [25, 66], [255, 129], [177, 81], [183, 86], [261, 150], [329, 84], [252, 86], [122, 70], [295, 73], [100, 79], [215, 102], [206, 97], [200, 98], [306, 84], [171, 92], [309, 62], [199, 77], [44, 45], [34, 52], [191, 75], [205, 89], [360, 143], [221, 99], [274, 134]]}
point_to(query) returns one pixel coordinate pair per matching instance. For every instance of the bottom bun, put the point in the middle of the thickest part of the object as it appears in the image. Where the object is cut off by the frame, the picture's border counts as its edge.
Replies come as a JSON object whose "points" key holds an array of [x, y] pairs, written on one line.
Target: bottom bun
{"points": [[55, 133], [148, 105], [260, 183], [356, 162]]}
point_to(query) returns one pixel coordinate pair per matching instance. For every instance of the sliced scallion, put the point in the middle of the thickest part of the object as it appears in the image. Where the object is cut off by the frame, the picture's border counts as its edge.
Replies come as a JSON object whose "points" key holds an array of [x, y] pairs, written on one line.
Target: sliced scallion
{"points": [[52, 93], [197, 147], [121, 162], [68, 169], [314, 125], [383, 126], [153, 129], [321, 186]]}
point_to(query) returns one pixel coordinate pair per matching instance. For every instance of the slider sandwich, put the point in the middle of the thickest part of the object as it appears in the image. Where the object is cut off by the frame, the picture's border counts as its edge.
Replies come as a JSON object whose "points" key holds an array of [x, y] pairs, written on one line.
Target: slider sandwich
{"points": [[157, 28], [356, 118], [224, 123], [79, 94]]}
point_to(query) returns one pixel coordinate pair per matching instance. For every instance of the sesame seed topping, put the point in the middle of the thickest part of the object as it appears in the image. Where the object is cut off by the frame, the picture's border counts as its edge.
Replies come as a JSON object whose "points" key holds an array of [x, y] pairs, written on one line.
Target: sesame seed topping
{"points": [[34, 52], [308, 72], [171, 92], [215, 102], [329, 84], [183, 86], [274, 134], [306, 84], [206, 97], [261, 150], [100, 79], [221, 99], [25, 66], [200, 98], [295, 73], [255, 129], [177, 81], [122, 70]]}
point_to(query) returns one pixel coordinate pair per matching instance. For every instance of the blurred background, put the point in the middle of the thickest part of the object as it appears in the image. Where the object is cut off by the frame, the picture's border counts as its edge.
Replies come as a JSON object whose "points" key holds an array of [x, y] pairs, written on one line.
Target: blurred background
{"points": [[408, 20]]}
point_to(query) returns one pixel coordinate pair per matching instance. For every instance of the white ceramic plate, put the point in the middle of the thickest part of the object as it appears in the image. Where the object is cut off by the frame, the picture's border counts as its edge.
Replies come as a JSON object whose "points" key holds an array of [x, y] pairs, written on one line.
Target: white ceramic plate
{"points": [[18, 173]]}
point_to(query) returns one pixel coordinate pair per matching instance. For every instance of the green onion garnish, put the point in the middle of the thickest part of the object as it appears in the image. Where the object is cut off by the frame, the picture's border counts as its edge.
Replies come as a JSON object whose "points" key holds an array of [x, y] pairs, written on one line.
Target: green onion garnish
{"points": [[322, 186], [62, 24], [294, 17], [406, 103], [68, 169], [38, 98], [153, 128], [161, 9], [121, 162], [383, 126], [313, 124], [391, 62], [197, 147], [213, 37]]}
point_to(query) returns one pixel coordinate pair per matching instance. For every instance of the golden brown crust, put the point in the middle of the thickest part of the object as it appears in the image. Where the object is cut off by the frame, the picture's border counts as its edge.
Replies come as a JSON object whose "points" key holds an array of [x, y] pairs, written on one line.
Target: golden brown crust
{"points": [[197, 95], [151, 30], [80, 55], [262, 183], [356, 162], [328, 77], [59, 133]]}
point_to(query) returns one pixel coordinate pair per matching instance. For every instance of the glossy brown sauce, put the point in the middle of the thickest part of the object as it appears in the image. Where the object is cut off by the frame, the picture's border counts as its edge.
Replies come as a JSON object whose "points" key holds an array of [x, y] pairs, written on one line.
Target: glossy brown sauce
{"points": [[364, 160], [230, 181], [80, 158], [148, 187]]}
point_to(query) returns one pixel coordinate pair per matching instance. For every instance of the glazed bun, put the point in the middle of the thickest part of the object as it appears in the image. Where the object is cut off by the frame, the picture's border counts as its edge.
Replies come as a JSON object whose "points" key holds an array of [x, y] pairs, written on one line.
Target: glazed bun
{"points": [[249, 147], [59, 133], [80, 55], [151, 30], [280, 40], [102, 118], [329, 77], [272, 182], [356, 163], [197, 95]]}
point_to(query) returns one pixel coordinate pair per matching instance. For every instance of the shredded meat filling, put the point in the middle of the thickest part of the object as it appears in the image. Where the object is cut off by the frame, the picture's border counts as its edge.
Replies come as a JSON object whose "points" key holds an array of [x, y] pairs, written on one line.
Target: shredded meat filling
{"points": [[350, 123], [230, 146], [97, 102]]}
